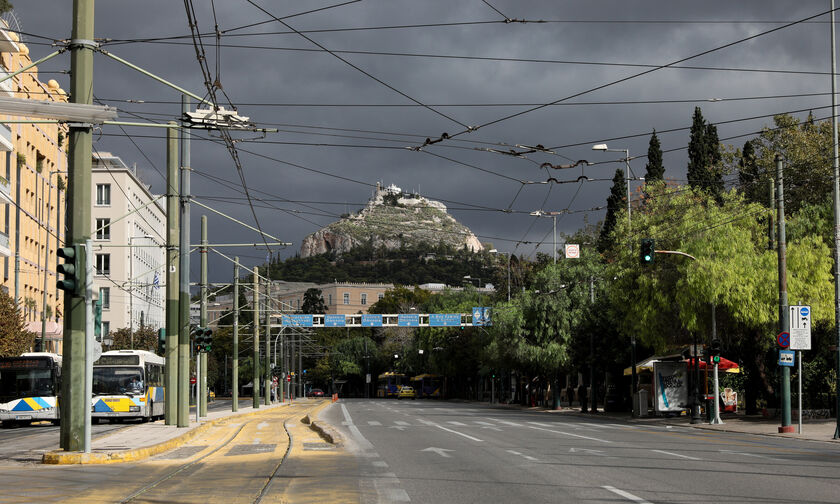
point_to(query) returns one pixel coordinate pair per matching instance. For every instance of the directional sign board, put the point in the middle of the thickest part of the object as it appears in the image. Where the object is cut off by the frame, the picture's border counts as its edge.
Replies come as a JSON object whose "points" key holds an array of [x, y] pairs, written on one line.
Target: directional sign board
{"points": [[787, 358], [408, 320], [371, 320], [297, 320], [444, 319], [333, 320], [800, 327]]}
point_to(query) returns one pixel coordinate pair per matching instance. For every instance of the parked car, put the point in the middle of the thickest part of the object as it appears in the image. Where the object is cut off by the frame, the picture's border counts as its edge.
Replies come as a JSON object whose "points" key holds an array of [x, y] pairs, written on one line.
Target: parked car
{"points": [[316, 392], [407, 392]]}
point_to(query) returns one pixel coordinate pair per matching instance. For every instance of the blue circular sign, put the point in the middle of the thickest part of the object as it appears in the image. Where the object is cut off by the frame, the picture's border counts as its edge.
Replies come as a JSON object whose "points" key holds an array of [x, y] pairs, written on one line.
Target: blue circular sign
{"points": [[783, 339], [804, 311]]}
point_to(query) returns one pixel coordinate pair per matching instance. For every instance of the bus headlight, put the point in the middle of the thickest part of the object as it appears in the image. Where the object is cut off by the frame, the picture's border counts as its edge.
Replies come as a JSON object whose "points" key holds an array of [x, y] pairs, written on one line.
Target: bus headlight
{"points": [[133, 408]]}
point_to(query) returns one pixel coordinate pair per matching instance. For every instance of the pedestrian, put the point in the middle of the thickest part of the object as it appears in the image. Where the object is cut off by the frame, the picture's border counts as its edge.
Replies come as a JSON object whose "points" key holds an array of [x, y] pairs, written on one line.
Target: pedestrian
{"points": [[582, 397]]}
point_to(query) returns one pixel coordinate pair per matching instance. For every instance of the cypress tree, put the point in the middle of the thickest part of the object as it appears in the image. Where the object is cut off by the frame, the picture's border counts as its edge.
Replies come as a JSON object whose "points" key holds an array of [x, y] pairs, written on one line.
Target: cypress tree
{"points": [[614, 205], [749, 179], [655, 170], [697, 150], [714, 176]]}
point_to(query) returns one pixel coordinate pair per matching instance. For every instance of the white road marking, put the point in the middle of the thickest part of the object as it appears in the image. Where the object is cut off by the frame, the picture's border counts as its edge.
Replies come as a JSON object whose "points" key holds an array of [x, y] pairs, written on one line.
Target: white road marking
{"points": [[620, 426], [481, 423], [373, 423], [676, 454], [586, 451], [505, 422], [380, 463], [527, 457], [262, 425], [569, 434], [363, 443], [626, 495], [732, 452], [459, 424], [401, 422], [543, 424], [400, 427], [439, 451], [456, 432]]}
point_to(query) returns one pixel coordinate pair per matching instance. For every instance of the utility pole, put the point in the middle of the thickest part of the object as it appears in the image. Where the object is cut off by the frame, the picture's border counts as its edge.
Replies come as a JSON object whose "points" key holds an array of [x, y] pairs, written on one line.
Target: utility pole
{"points": [[299, 374], [203, 317], [836, 183], [173, 336], [184, 263], [235, 364], [594, 406], [74, 404], [784, 315], [256, 366], [268, 363]]}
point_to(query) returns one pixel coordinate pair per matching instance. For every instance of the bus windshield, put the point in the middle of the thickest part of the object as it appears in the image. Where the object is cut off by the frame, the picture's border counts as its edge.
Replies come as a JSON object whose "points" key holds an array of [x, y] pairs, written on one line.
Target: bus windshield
{"points": [[17, 383], [118, 380]]}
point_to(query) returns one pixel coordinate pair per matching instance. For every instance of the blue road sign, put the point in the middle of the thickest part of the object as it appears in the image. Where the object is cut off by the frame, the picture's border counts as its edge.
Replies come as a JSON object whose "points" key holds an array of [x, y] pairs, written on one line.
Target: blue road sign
{"points": [[804, 311], [297, 320], [334, 320], [371, 320], [787, 358], [444, 319], [408, 320]]}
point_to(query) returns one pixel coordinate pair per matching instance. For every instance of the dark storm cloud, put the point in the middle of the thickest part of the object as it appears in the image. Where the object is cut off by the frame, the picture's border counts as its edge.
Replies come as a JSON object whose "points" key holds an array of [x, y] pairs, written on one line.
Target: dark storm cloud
{"points": [[271, 76]]}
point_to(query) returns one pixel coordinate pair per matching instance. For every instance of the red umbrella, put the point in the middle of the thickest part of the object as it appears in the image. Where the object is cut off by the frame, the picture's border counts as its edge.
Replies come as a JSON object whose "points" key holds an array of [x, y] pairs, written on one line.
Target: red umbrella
{"points": [[724, 364]]}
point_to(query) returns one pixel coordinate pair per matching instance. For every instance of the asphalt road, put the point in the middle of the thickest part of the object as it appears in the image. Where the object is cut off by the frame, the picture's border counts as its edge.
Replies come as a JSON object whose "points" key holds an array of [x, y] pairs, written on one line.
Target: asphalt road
{"points": [[27, 444], [429, 451]]}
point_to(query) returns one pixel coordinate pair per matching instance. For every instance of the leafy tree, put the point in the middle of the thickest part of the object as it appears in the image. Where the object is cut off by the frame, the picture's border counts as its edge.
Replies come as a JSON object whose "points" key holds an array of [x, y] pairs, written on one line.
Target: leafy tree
{"points": [[145, 338], [654, 168], [14, 338], [614, 208], [313, 301], [5, 6]]}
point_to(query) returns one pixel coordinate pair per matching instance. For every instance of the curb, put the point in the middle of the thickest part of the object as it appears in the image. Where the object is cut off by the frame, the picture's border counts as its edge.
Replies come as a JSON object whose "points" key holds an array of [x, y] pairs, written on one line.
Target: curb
{"points": [[60, 457], [325, 430]]}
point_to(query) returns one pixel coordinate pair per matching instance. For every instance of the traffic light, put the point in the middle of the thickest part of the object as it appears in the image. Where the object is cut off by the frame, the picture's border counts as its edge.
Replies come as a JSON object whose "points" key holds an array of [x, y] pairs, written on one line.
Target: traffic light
{"points": [[70, 268], [196, 334], [207, 339], [647, 251], [97, 320], [162, 341], [715, 351]]}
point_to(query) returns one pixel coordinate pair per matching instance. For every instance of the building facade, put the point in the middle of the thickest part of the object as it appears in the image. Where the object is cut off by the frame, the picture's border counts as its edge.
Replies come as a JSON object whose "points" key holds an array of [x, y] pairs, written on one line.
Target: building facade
{"points": [[33, 167], [129, 226]]}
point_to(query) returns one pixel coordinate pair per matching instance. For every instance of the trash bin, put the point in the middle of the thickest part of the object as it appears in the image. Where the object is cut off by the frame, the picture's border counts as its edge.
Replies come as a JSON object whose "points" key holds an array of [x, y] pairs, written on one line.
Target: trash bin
{"points": [[640, 403]]}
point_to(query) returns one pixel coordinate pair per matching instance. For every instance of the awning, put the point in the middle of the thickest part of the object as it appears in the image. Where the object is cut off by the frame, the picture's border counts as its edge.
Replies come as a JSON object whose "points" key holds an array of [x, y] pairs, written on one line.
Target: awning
{"points": [[724, 365]]}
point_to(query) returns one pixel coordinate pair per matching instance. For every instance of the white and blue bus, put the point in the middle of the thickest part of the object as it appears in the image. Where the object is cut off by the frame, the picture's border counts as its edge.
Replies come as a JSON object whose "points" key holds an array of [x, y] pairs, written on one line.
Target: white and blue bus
{"points": [[29, 388], [128, 384]]}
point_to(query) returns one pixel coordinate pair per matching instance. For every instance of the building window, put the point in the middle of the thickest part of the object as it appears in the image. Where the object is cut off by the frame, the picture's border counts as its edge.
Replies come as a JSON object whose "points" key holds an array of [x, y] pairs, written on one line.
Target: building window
{"points": [[103, 229], [105, 297], [103, 194], [330, 298], [380, 296], [106, 329], [364, 299], [346, 298], [103, 264]]}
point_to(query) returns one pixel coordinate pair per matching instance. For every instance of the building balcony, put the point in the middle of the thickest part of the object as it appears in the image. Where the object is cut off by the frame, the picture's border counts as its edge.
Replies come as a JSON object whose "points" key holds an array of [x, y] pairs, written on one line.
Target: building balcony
{"points": [[4, 245], [7, 87], [5, 192], [6, 138]]}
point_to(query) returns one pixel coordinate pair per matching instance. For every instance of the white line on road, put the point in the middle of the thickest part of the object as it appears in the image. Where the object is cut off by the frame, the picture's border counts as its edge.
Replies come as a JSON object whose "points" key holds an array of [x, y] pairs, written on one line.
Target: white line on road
{"points": [[626, 495], [527, 457], [676, 454], [505, 422], [459, 424], [456, 432], [481, 423], [373, 423], [402, 422], [569, 434], [363, 443]]}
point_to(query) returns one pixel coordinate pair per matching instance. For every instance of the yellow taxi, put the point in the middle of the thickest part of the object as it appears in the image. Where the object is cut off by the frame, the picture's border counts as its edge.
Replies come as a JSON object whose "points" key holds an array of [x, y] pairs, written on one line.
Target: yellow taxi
{"points": [[407, 392]]}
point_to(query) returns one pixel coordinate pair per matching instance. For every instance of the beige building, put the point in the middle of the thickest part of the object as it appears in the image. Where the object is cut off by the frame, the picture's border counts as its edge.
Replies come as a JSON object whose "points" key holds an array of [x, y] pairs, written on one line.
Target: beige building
{"points": [[129, 226], [33, 165]]}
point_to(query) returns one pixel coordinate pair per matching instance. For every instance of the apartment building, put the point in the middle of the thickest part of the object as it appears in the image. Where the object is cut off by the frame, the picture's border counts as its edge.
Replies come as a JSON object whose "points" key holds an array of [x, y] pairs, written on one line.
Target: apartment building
{"points": [[129, 227], [33, 165]]}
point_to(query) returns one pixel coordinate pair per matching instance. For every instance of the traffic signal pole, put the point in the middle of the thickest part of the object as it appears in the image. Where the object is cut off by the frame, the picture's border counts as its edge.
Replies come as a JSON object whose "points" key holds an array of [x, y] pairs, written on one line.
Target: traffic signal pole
{"points": [[184, 264], [235, 364], [74, 403], [268, 363], [256, 363], [173, 336], [203, 317], [784, 313]]}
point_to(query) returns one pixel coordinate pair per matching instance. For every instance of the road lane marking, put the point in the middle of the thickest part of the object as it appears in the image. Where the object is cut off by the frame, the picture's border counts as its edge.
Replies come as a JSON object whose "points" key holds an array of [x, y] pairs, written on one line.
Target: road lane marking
{"points": [[765, 457], [543, 424], [373, 423], [459, 433], [481, 423], [363, 443], [569, 434], [380, 463], [505, 422], [402, 422], [459, 424], [526, 457], [626, 495], [439, 451], [676, 454]]}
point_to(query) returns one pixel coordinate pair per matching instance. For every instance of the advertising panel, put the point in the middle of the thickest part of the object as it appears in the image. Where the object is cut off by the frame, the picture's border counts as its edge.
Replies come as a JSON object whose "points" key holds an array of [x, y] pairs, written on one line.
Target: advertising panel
{"points": [[670, 386]]}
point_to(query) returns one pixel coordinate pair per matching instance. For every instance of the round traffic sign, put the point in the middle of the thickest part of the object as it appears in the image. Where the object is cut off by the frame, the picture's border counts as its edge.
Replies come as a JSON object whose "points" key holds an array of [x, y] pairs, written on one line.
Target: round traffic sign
{"points": [[192, 380], [804, 311], [572, 251], [783, 339]]}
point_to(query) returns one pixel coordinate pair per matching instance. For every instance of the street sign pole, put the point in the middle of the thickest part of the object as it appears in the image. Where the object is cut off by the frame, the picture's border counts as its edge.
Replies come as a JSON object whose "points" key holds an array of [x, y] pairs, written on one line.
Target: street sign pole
{"points": [[800, 389]]}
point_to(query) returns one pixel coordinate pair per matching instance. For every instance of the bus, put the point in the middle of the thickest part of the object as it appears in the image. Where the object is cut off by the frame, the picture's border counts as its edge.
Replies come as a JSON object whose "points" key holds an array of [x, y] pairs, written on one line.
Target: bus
{"points": [[428, 385], [389, 384], [29, 388], [128, 384]]}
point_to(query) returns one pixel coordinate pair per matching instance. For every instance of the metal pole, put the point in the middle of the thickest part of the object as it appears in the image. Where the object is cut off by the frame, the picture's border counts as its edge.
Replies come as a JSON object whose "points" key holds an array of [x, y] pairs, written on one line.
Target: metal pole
{"points": [[88, 338], [73, 404], [183, 297], [256, 366], [235, 370], [203, 315], [716, 419], [695, 402], [268, 381], [627, 176], [131, 292], [509, 277], [177, 343], [197, 382], [280, 382], [799, 359], [46, 264], [594, 399], [554, 218], [836, 183], [299, 374], [784, 315]]}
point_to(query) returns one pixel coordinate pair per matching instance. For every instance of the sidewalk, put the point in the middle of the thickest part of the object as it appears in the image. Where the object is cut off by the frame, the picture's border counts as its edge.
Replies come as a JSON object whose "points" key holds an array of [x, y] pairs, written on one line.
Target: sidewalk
{"points": [[140, 441]]}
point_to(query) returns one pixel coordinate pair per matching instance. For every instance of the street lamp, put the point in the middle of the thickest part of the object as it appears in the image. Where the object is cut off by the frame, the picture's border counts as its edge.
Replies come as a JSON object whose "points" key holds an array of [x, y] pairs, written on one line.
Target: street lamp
{"points": [[553, 215], [131, 286], [603, 147]]}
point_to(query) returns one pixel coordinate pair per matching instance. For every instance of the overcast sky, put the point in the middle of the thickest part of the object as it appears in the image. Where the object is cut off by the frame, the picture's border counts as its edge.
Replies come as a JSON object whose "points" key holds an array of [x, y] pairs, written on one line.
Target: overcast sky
{"points": [[347, 130]]}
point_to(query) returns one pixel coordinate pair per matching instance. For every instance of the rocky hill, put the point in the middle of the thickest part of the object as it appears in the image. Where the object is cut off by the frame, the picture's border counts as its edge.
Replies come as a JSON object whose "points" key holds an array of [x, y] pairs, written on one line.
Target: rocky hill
{"points": [[392, 219]]}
